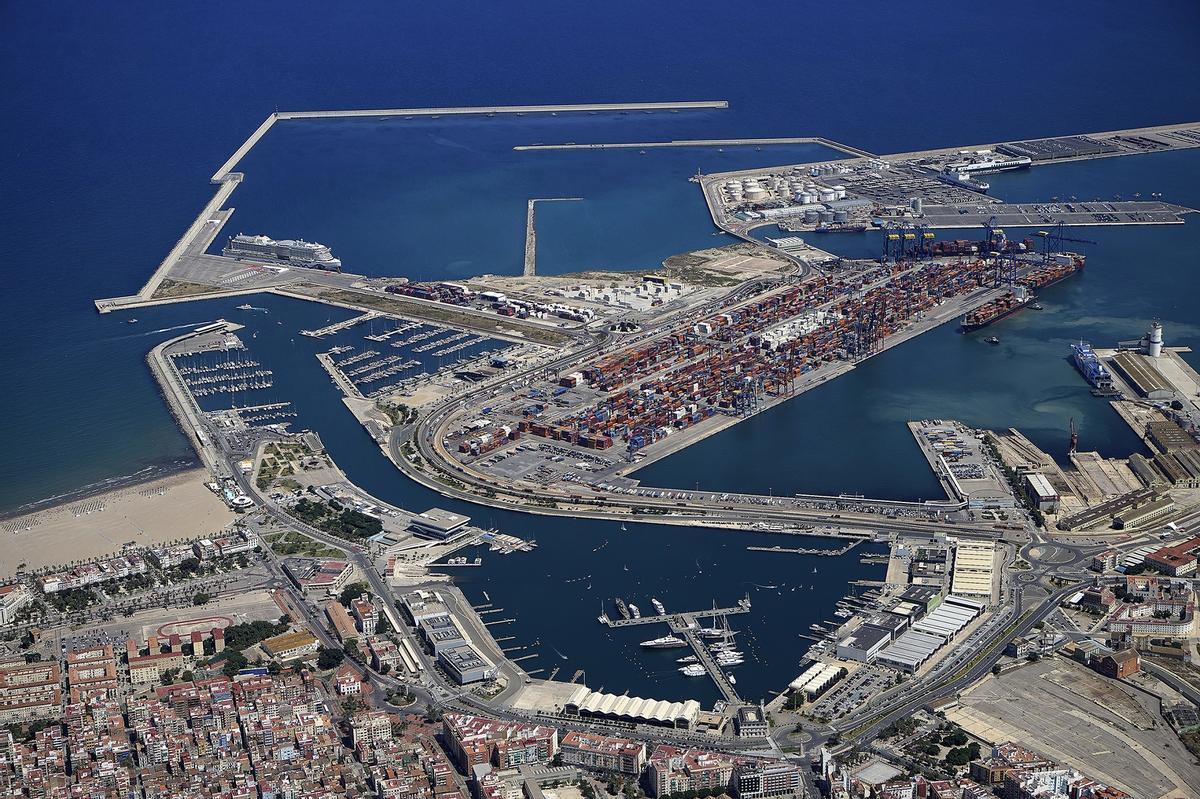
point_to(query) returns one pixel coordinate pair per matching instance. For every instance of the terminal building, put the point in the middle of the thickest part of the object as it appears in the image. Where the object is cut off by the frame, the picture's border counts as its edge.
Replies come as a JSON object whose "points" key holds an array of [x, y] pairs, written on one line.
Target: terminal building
{"points": [[584, 703], [438, 523], [465, 665], [864, 643]]}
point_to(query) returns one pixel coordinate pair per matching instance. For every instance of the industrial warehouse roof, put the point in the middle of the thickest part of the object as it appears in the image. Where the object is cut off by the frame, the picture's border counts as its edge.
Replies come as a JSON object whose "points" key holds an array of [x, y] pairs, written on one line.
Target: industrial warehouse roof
{"points": [[1041, 486], [1107, 509], [949, 617], [973, 562], [912, 649], [1145, 378], [633, 707]]}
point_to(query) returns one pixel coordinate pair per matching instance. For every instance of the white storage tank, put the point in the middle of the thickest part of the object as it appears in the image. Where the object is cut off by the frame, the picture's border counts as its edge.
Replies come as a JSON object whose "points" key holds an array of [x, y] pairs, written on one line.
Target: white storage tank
{"points": [[840, 191]]}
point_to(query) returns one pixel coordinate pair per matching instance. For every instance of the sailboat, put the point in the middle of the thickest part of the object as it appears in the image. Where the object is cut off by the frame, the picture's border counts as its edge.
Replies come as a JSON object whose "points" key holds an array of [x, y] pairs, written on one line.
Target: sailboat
{"points": [[623, 527]]}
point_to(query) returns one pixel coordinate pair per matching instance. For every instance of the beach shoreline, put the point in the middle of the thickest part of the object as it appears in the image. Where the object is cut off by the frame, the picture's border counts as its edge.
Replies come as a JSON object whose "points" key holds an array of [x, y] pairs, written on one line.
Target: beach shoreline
{"points": [[137, 514]]}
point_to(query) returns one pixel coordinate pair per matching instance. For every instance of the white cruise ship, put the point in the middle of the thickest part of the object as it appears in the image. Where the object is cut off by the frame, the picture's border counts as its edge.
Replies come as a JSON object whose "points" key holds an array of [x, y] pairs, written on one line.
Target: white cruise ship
{"points": [[295, 252]]}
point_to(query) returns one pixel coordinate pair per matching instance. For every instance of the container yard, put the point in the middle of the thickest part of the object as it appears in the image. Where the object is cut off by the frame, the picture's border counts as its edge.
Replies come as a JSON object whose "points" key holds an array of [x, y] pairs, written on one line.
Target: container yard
{"points": [[600, 419]]}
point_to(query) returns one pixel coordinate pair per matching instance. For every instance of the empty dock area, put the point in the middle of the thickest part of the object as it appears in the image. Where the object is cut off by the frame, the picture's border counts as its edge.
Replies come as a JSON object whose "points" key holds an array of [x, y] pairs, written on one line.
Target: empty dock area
{"points": [[1094, 212]]}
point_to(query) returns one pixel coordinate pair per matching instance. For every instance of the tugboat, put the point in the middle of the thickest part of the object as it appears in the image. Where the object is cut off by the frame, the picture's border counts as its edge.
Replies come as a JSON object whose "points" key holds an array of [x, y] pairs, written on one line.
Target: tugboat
{"points": [[992, 340]]}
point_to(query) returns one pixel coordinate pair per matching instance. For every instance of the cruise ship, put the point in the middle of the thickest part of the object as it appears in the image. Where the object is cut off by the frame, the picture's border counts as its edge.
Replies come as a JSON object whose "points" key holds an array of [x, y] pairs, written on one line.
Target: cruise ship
{"points": [[989, 165], [1090, 367], [294, 252]]}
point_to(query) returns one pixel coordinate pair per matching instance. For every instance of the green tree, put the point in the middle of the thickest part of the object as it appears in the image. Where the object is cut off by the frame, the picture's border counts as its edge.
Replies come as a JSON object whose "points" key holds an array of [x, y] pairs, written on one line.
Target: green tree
{"points": [[351, 593], [329, 658], [235, 661], [201, 598]]}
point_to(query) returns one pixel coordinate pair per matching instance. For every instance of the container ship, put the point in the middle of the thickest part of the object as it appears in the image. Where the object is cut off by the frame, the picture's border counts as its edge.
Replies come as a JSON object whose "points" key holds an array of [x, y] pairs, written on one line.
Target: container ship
{"points": [[1090, 367], [1061, 268], [994, 311], [293, 252]]}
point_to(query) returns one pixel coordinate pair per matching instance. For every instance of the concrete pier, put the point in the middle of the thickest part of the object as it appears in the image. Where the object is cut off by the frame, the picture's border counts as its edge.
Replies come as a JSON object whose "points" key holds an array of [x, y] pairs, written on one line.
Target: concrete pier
{"points": [[808, 550], [821, 140], [681, 620], [715, 672], [209, 212], [270, 121], [329, 330], [531, 231]]}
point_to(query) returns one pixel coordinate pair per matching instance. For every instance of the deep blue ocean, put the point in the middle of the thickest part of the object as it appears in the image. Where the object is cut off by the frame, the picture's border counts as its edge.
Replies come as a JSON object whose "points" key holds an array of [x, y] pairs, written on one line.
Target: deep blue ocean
{"points": [[113, 119]]}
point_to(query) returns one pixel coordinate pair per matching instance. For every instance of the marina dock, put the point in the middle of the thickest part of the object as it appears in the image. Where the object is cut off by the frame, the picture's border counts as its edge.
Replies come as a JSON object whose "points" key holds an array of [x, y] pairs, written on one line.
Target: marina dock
{"points": [[681, 621], [329, 330], [808, 550], [684, 626]]}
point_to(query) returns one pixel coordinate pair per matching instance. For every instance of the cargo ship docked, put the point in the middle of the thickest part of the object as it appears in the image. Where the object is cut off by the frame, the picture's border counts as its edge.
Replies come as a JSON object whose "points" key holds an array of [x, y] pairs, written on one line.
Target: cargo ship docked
{"points": [[995, 310], [1090, 367], [1060, 268], [293, 252]]}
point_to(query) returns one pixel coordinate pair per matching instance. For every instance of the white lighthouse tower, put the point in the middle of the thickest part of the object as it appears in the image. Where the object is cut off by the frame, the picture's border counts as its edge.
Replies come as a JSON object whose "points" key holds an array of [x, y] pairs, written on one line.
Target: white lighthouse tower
{"points": [[1154, 340]]}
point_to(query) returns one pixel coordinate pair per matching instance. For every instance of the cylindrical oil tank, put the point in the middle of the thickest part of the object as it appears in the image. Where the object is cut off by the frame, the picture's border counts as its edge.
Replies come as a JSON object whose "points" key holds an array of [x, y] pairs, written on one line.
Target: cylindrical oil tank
{"points": [[841, 217]]}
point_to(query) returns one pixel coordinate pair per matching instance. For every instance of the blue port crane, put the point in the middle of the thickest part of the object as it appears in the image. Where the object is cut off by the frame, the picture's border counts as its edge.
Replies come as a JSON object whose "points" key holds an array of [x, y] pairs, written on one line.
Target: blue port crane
{"points": [[994, 237], [1053, 240]]}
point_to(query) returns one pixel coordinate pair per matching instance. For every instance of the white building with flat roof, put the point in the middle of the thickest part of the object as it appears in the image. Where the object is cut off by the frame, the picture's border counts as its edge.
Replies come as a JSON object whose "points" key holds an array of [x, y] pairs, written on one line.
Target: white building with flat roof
{"points": [[438, 523]]}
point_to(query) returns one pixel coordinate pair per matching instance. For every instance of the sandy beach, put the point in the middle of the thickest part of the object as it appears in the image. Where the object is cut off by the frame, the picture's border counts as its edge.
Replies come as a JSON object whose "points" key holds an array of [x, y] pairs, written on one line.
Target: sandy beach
{"points": [[177, 506]]}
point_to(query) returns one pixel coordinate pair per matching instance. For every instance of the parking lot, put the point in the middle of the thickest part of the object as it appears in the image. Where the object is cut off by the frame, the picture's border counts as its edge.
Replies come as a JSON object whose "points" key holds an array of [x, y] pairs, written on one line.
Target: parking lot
{"points": [[1069, 713]]}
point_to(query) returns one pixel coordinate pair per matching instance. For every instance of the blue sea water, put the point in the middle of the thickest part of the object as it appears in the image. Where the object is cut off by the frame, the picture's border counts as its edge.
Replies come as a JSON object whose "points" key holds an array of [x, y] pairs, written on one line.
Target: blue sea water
{"points": [[113, 119]]}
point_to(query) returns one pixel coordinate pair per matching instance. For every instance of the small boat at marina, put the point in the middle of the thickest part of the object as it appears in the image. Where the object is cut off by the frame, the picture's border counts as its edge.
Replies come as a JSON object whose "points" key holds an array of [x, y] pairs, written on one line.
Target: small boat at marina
{"points": [[692, 670], [731, 678], [687, 659], [622, 608], [634, 612], [658, 606]]}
